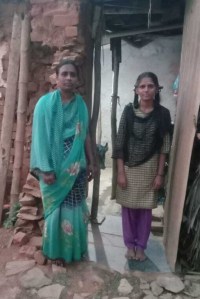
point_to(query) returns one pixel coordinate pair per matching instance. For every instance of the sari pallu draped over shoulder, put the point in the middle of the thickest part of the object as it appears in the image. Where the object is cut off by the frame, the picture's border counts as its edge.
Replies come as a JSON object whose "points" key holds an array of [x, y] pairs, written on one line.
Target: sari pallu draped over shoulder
{"points": [[47, 149]]}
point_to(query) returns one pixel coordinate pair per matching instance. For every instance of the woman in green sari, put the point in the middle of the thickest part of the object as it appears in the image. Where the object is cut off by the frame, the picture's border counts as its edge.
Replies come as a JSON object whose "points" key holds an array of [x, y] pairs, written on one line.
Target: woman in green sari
{"points": [[62, 160]]}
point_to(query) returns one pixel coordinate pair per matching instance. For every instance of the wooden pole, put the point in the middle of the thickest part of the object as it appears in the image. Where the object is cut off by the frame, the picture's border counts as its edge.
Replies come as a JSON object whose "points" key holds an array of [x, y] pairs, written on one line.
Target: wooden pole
{"points": [[21, 111], [9, 106], [116, 58], [185, 127], [95, 114]]}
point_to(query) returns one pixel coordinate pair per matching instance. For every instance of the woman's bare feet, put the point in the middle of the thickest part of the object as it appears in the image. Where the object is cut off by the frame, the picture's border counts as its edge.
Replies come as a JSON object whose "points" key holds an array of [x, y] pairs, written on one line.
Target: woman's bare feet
{"points": [[130, 254], [140, 255], [59, 263]]}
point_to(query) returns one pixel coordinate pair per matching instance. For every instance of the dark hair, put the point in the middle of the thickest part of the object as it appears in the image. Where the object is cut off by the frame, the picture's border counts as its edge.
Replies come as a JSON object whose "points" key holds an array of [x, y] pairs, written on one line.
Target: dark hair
{"points": [[65, 62], [154, 78]]}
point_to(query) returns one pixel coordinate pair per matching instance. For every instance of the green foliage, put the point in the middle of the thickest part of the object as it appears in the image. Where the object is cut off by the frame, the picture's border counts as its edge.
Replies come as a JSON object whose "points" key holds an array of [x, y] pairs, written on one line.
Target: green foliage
{"points": [[12, 216]]}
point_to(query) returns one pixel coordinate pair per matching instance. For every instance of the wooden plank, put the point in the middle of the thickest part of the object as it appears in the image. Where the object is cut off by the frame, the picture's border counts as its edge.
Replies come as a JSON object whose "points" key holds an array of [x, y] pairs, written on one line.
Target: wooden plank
{"points": [[187, 109], [21, 112], [9, 107], [141, 31]]}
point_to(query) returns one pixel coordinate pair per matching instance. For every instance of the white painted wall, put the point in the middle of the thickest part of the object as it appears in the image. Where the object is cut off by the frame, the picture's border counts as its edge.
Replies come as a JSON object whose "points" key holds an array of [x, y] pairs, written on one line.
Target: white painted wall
{"points": [[3, 51], [162, 56]]}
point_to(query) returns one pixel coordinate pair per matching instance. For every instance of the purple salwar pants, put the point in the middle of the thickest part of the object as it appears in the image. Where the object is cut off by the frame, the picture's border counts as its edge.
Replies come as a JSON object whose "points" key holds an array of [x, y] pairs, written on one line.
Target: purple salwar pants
{"points": [[136, 224]]}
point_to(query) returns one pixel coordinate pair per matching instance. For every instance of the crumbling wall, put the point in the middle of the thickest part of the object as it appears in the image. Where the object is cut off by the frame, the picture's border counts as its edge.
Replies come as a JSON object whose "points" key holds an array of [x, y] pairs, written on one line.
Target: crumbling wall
{"points": [[60, 29]]}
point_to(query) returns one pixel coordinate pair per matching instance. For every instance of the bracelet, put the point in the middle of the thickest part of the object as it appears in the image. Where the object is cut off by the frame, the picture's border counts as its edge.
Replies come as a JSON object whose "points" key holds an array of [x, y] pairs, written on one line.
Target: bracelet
{"points": [[160, 175]]}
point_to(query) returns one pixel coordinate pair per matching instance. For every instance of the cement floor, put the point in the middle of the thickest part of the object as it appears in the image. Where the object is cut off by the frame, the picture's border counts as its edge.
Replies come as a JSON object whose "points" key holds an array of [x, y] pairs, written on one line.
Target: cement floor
{"points": [[106, 244]]}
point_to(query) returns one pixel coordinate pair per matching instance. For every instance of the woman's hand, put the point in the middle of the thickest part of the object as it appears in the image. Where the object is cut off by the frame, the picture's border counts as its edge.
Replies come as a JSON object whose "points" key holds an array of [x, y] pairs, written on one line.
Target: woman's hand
{"points": [[122, 180], [49, 178], [158, 182]]}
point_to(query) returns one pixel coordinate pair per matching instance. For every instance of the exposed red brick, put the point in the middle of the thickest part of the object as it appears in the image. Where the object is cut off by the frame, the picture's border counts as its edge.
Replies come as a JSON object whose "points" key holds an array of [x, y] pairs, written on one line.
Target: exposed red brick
{"points": [[71, 31], [36, 36], [65, 20], [53, 12], [36, 10]]}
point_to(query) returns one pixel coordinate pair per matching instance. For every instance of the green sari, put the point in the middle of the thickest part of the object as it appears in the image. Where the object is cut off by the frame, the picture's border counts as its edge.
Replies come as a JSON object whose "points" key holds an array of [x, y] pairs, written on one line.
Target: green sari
{"points": [[58, 146]]}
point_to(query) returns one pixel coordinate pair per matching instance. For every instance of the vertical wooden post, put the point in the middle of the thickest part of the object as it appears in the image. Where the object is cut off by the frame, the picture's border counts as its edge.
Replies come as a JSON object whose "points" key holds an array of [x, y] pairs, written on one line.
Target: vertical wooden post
{"points": [[9, 106], [116, 59], [95, 113], [21, 111], [187, 109]]}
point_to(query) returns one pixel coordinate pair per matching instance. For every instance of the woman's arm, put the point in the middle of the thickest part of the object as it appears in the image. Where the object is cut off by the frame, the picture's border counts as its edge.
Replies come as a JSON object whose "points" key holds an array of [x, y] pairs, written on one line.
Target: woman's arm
{"points": [[121, 175], [159, 179]]}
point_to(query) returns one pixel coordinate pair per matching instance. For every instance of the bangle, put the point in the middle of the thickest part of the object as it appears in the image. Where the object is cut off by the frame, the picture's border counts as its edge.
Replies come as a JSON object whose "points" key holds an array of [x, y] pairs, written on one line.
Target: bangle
{"points": [[160, 174]]}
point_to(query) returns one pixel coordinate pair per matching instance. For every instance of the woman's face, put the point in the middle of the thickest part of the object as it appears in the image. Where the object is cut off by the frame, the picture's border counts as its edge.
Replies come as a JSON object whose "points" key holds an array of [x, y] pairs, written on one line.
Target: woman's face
{"points": [[146, 89], [67, 78]]}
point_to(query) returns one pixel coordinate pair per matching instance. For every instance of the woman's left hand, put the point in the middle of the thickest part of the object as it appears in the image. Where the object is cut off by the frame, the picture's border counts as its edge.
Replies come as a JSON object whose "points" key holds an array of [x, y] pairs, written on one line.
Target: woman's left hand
{"points": [[158, 182]]}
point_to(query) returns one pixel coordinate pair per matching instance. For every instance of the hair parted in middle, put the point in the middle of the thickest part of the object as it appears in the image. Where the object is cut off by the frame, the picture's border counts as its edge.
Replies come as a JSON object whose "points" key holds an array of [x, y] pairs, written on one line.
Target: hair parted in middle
{"points": [[154, 78]]}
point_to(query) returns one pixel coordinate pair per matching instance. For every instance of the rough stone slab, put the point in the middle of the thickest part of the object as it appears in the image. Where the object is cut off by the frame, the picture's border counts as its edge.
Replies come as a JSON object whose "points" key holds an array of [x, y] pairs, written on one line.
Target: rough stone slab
{"points": [[28, 200], [36, 241], [29, 210], [28, 251], [124, 287], [31, 180], [34, 278], [16, 267], [20, 238], [193, 290], [26, 216], [26, 188], [172, 284], [11, 293], [51, 292], [156, 289]]}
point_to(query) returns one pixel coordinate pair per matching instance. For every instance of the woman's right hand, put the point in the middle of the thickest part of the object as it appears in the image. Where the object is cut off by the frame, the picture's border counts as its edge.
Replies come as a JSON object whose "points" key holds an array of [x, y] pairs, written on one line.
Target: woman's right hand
{"points": [[49, 178], [122, 180]]}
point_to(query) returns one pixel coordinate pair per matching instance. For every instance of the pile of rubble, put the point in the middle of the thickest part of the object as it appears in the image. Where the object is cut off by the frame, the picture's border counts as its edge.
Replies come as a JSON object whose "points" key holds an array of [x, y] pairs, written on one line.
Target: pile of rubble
{"points": [[30, 222], [30, 216]]}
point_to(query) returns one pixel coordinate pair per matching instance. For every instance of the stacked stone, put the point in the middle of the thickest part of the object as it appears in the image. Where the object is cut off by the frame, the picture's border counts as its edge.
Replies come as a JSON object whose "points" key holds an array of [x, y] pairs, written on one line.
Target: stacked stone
{"points": [[30, 217]]}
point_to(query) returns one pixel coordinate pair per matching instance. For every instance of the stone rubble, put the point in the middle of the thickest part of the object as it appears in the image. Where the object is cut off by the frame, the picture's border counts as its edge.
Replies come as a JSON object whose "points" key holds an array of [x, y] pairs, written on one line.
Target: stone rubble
{"points": [[54, 282], [34, 278], [156, 289], [124, 287], [172, 284], [51, 292], [16, 267]]}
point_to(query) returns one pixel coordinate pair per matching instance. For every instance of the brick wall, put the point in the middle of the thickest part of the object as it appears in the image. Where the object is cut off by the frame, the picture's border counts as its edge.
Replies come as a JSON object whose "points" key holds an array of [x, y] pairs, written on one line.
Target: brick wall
{"points": [[59, 29]]}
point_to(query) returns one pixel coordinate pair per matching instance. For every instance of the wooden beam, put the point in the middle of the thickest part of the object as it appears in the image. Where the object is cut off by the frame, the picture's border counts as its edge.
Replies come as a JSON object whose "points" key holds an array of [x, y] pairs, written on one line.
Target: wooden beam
{"points": [[95, 114], [116, 59], [185, 128], [9, 106], [21, 112], [127, 11], [142, 31]]}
